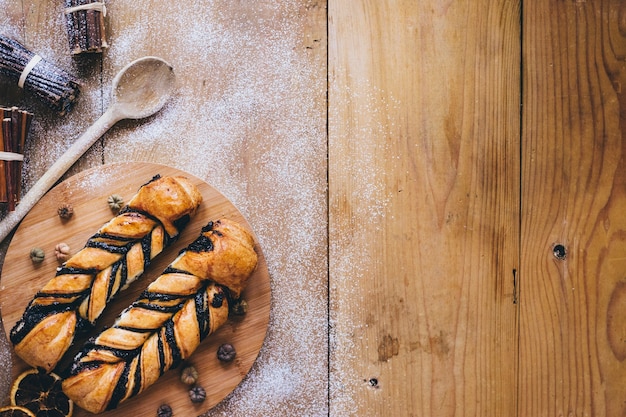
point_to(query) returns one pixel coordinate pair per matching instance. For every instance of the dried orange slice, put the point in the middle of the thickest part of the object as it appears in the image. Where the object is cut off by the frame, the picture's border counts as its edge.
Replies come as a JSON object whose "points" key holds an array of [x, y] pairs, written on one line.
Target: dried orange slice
{"points": [[42, 394], [15, 411]]}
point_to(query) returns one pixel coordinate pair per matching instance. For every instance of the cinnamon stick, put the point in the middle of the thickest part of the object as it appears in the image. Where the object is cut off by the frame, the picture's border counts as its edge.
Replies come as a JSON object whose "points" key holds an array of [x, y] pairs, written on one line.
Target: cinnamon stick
{"points": [[15, 126], [8, 169], [3, 179], [23, 120], [16, 132]]}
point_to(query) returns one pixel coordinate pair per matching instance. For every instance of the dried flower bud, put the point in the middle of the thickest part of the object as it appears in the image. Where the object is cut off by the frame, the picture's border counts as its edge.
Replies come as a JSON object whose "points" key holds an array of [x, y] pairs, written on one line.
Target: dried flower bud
{"points": [[62, 252], [115, 202], [164, 411], [226, 352], [189, 375], [240, 307], [65, 211], [197, 394], [37, 255]]}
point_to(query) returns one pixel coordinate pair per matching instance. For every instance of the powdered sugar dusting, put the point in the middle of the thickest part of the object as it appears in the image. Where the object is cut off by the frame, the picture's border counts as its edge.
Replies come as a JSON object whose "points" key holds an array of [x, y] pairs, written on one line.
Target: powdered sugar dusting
{"points": [[5, 363], [260, 125], [369, 198]]}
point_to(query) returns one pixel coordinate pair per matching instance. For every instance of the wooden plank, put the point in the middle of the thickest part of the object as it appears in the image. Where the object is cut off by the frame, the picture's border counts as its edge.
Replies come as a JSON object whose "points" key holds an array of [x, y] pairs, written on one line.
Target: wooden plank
{"points": [[249, 118], [40, 27], [11, 17], [423, 201], [572, 314]]}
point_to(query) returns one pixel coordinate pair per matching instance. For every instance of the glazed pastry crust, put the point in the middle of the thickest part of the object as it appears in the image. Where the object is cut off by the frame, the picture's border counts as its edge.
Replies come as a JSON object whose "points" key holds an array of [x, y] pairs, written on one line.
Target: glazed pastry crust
{"points": [[166, 199], [166, 323], [230, 263], [111, 260]]}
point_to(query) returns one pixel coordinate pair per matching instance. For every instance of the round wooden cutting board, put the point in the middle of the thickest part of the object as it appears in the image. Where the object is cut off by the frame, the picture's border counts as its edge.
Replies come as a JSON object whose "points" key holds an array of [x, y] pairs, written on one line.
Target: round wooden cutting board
{"points": [[87, 192]]}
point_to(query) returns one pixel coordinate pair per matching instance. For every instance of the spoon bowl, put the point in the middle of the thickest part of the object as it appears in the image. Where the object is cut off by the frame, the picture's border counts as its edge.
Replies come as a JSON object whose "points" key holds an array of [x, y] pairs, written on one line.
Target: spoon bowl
{"points": [[139, 90], [142, 87]]}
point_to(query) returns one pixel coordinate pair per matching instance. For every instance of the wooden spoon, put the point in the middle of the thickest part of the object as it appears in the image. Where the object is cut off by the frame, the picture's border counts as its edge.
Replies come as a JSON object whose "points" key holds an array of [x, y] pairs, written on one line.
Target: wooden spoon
{"points": [[139, 90]]}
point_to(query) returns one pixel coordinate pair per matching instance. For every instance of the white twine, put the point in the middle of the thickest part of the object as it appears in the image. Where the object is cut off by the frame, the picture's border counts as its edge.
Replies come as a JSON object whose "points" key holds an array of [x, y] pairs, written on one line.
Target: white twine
{"points": [[27, 69], [11, 156], [97, 6]]}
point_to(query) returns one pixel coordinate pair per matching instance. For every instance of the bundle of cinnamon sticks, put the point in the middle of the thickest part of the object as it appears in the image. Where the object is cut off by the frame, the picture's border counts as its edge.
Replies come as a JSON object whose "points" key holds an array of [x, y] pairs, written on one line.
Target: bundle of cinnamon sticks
{"points": [[15, 127], [85, 26], [58, 89]]}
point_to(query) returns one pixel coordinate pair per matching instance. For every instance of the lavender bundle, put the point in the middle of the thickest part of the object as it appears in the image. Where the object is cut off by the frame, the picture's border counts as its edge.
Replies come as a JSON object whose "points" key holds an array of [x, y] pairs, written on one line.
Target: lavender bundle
{"points": [[85, 26], [15, 127], [55, 87]]}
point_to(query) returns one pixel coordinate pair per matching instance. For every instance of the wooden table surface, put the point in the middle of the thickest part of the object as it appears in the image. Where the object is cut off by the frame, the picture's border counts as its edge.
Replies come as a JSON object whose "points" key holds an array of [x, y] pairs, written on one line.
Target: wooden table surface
{"points": [[409, 168]]}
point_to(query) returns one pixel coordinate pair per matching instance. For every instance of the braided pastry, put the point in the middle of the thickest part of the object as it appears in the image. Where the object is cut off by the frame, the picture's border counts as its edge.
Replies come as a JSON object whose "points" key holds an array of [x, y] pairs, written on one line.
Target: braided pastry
{"points": [[110, 261], [165, 325]]}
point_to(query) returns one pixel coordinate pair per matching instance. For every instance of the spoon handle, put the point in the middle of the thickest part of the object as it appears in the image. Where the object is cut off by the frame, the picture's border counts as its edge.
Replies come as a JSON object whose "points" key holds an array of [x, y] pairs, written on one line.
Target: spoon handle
{"points": [[56, 171]]}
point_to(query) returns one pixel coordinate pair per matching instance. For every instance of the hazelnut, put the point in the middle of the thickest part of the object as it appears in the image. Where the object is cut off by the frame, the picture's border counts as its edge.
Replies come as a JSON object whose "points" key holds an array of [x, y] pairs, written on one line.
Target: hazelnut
{"points": [[37, 255], [197, 394], [189, 375], [226, 352], [164, 411], [62, 252]]}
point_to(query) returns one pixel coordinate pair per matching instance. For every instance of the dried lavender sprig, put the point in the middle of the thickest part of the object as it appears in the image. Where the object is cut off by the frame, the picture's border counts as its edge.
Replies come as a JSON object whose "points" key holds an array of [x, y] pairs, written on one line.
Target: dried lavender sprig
{"points": [[58, 89]]}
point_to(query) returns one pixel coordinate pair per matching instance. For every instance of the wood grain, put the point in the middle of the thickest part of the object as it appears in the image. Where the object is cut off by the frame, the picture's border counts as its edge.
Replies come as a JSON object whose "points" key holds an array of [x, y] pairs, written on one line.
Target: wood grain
{"points": [[87, 192], [572, 313], [438, 188], [424, 206], [249, 118]]}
